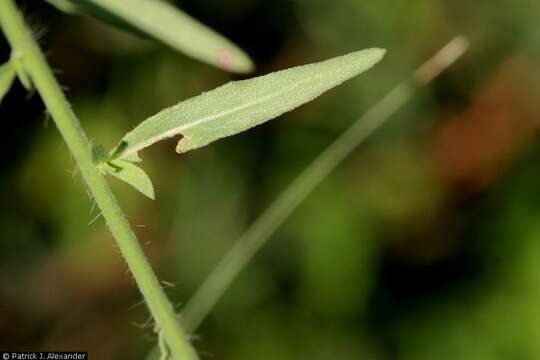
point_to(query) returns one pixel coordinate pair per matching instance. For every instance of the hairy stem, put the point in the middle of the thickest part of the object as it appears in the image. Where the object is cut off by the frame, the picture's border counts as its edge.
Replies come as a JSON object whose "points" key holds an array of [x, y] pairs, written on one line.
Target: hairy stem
{"points": [[256, 235], [33, 60]]}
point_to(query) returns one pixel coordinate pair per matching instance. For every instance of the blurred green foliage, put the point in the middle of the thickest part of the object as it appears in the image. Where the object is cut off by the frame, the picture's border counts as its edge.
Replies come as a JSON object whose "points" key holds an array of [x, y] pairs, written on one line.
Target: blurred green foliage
{"points": [[424, 245]]}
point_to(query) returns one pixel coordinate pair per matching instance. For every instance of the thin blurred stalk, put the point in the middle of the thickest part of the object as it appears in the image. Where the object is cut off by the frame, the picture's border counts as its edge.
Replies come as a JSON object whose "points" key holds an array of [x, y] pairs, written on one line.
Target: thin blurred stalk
{"points": [[27, 50], [219, 280]]}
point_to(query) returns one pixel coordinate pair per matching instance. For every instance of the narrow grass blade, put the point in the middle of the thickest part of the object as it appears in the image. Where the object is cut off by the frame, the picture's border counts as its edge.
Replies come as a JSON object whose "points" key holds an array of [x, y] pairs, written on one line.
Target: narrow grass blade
{"points": [[256, 235], [7, 76], [167, 24], [240, 105], [133, 175]]}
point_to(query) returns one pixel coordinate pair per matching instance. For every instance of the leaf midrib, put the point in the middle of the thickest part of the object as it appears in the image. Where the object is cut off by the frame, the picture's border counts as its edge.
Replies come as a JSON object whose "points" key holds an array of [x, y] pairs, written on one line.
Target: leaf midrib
{"points": [[179, 129]]}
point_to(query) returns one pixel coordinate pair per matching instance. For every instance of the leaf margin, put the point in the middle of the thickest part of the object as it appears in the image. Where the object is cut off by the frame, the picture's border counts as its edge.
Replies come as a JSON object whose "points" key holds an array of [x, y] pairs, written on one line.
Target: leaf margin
{"points": [[342, 67]]}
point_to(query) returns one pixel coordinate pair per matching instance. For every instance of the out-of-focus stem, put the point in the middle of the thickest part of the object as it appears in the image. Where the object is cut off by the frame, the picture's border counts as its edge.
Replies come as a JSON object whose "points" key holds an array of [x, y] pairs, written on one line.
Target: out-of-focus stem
{"points": [[34, 63]]}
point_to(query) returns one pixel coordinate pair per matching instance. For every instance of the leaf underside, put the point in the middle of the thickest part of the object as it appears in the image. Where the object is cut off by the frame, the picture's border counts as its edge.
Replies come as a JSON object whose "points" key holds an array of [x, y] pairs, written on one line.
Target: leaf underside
{"points": [[133, 175], [167, 24], [240, 105]]}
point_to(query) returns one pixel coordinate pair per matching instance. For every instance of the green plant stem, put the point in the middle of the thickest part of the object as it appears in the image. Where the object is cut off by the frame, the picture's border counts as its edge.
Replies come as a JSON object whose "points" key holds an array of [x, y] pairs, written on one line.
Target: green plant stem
{"points": [[256, 236], [24, 45]]}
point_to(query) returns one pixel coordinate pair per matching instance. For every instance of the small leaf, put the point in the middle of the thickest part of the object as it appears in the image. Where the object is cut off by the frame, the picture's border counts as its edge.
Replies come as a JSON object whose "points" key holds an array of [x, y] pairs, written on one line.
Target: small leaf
{"points": [[133, 175], [20, 70], [7, 75], [240, 105], [167, 24]]}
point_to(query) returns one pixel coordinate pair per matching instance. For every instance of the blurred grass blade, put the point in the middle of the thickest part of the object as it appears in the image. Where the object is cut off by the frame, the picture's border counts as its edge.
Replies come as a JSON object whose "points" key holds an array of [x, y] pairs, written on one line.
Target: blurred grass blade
{"points": [[7, 76], [133, 175], [256, 235], [167, 24], [240, 105]]}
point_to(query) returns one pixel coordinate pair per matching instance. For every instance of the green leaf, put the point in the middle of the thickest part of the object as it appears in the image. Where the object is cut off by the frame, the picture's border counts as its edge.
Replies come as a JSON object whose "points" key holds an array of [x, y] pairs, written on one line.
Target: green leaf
{"points": [[7, 75], [20, 70], [240, 105], [133, 175], [165, 23]]}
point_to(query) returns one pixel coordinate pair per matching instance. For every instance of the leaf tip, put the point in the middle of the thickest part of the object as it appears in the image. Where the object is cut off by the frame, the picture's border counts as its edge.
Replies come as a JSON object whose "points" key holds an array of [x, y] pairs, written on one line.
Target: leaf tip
{"points": [[133, 175], [376, 54], [148, 192], [151, 194], [380, 52], [363, 60], [235, 60]]}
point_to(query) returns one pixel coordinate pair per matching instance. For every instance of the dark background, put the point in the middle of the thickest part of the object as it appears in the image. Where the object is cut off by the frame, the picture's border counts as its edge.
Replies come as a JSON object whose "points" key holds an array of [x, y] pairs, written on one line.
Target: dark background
{"points": [[424, 244]]}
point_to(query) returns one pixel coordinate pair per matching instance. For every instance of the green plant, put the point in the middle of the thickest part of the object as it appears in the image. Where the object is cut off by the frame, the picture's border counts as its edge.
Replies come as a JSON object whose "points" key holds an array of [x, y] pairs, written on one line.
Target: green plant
{"points": [[222, 112]]}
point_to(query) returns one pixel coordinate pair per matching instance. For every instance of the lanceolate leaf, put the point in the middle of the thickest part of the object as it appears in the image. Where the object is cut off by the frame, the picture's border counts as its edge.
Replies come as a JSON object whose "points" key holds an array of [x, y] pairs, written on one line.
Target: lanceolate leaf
{"points": [[133, 175], [240, 105], [167, 24], [7, 75]]}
